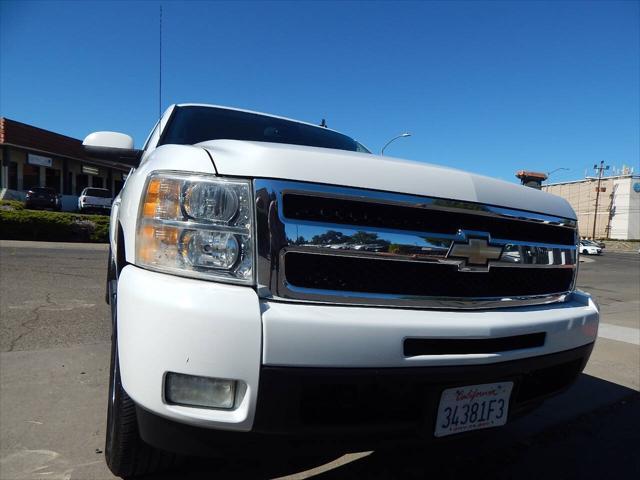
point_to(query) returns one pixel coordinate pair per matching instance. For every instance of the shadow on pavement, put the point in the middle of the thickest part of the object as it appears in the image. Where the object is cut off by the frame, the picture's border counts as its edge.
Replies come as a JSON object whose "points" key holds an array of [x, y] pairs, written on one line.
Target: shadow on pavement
{"points": [[591, 431]]}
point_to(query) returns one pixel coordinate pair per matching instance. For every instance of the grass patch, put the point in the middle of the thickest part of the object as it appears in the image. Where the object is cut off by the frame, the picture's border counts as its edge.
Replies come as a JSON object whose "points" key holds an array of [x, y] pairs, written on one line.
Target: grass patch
{"points": [[18, 223]]}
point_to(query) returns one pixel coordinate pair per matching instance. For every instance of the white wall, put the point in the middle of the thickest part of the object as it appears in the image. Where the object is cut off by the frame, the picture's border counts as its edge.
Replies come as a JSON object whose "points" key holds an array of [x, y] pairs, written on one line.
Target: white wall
{"points": [[625, 222]]}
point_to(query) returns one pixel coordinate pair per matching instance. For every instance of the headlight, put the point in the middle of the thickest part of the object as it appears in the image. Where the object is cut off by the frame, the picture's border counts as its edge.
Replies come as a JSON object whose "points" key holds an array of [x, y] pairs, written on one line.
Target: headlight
{"points": [[196, 225]]}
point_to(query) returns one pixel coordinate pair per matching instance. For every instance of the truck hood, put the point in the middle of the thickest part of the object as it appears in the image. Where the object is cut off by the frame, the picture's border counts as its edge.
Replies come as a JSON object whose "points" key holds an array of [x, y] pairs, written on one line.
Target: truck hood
{"points": [[361, 170]]}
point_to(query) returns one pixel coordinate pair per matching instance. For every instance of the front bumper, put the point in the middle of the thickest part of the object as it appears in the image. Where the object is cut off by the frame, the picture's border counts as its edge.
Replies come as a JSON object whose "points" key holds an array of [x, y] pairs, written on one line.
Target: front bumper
{"points": [[282, 352], [364, 408], [88, 206], [41, 202]]}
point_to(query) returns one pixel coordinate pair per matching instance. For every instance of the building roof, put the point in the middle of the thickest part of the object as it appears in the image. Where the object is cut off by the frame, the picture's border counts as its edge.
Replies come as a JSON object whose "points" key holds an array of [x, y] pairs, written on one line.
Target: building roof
{"points": [[593, 179], [526, 174], [26, 136]]}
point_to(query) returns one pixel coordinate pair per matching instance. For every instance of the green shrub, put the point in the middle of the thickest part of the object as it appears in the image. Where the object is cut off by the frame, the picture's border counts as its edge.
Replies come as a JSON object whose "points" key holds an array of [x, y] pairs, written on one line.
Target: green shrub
{"points": [[11, 205], [100, 232], [22, 224]]}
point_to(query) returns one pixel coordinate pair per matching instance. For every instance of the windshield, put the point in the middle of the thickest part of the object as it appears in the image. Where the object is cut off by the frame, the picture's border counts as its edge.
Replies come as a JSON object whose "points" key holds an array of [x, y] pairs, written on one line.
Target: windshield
{"points": [[191, 125], [97, 192]]}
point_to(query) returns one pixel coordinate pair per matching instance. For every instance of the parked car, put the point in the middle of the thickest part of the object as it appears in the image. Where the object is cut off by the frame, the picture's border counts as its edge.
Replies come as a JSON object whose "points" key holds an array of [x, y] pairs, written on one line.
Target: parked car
{"points": [[234, 313], [95, 200], [43, 197], [589, 247]]}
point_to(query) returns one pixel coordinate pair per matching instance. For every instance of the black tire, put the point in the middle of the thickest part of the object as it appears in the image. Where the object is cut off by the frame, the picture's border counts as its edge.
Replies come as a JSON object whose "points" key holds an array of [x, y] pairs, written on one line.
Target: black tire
{"points": [[126, 454], [584, 252]]}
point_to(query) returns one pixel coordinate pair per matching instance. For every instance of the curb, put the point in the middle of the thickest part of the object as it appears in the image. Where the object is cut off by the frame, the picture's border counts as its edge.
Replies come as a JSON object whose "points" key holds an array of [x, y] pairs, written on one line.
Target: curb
{"points": [[54, 245]]}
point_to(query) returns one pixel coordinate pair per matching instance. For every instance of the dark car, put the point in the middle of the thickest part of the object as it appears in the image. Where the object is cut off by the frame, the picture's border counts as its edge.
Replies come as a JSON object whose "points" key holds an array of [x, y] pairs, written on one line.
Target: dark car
{"points": [[43, 197]]}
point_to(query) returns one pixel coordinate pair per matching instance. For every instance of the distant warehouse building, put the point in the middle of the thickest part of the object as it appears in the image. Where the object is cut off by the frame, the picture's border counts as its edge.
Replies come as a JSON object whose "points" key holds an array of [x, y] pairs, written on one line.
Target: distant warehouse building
{"points": [[33, 157], [618, 214]]}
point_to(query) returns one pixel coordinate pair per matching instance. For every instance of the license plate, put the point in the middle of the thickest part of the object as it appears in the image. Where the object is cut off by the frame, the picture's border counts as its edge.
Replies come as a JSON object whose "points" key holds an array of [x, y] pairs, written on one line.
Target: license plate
{"points": [[473, 407]]}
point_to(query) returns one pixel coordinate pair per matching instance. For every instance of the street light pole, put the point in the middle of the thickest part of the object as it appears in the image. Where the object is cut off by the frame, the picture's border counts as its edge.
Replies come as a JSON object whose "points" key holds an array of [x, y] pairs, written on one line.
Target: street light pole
{"points": [[600, 169], [406, 134], [556, 170]]}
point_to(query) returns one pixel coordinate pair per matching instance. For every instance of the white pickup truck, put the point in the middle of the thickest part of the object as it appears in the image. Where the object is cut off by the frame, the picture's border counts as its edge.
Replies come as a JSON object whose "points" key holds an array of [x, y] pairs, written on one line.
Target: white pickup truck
{"points": [[269, 278], [94, 200]]}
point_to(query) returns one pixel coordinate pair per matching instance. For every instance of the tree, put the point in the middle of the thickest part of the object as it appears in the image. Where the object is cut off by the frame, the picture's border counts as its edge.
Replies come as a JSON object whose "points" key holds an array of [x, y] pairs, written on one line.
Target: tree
{"points": [[331, 237]]}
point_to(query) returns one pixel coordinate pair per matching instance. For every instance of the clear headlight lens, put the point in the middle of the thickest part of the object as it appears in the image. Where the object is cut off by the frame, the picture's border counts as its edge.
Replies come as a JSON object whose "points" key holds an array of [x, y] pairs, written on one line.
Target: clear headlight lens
{"points": [[206, 200], [196, 225], [212, 249]]}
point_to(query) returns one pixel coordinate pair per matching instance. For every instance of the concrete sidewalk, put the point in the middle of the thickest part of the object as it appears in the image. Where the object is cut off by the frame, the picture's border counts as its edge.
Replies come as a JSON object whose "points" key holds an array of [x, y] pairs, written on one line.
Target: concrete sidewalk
{"points": [[53, 413]]}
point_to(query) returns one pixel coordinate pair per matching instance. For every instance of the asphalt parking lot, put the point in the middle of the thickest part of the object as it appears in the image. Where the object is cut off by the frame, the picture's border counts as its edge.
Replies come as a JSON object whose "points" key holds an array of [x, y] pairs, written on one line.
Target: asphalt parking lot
{"points": [[54, 339]]}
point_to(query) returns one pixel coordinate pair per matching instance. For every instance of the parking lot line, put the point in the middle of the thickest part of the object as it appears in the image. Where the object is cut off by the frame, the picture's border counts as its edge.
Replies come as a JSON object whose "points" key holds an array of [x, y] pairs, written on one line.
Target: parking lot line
{"points": [[622, 334]]}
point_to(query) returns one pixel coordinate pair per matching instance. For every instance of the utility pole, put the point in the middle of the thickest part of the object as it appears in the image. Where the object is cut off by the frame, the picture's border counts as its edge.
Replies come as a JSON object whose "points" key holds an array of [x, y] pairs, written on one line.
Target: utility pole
{"points": [[600, 170]]}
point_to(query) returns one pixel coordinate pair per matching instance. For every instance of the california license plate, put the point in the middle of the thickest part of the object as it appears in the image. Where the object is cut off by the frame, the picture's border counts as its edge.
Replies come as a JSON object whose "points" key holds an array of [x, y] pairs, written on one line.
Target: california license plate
{"points": [[473, 407]]}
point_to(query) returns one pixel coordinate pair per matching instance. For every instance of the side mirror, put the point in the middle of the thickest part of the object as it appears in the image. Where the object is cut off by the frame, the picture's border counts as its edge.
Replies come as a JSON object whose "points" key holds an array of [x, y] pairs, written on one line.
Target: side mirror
{"points": [[112, 146]]}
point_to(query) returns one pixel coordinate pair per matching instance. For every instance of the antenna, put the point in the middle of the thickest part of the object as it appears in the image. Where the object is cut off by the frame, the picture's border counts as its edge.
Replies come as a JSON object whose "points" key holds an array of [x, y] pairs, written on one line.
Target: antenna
{"points": [[160, 73]]}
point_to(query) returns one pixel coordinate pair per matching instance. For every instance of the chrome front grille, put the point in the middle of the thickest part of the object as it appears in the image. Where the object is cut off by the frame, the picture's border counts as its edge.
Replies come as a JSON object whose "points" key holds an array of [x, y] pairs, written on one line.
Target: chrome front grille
{"points": [[319, 243]]}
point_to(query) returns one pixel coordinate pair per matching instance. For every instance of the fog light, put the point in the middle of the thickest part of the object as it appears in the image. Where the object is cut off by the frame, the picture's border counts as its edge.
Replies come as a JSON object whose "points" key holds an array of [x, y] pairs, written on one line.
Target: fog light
{"points": [[198, 391]]}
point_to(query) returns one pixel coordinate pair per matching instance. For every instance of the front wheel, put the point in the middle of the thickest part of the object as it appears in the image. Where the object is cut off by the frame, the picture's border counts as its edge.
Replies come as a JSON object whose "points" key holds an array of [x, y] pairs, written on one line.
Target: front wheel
{"points": [[584, 252], [126, 454]]}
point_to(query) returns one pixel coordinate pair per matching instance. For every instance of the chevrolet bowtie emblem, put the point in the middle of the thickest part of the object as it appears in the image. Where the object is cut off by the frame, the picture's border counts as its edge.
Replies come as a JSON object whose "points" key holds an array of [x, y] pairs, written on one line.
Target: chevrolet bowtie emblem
{"points": [[476, 252]]}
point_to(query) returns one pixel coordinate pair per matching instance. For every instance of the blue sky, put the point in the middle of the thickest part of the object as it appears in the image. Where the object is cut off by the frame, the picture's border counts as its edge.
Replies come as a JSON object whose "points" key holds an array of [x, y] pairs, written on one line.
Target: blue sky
{"points": [[489, 87]]}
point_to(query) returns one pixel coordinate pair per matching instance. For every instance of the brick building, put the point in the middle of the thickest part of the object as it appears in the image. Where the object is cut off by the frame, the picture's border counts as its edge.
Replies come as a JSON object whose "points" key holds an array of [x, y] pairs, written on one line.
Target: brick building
{"points": [[33, 157]]}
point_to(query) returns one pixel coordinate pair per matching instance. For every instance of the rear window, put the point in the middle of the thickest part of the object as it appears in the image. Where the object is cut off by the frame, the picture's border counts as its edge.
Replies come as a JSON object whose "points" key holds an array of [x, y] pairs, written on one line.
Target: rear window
{"points": [[97, 192], [42, 190], [191, 125]]}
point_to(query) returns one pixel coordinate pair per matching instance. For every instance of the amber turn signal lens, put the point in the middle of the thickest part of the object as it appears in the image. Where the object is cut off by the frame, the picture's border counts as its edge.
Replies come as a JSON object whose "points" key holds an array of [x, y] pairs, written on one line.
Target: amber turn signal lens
{"points": [[162, 199], [154, 240]]}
